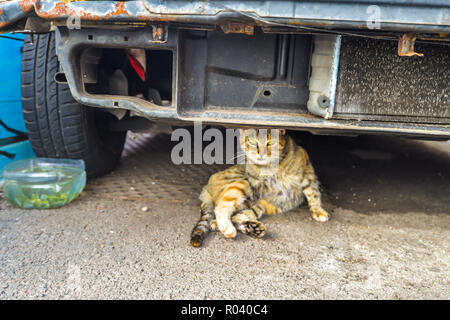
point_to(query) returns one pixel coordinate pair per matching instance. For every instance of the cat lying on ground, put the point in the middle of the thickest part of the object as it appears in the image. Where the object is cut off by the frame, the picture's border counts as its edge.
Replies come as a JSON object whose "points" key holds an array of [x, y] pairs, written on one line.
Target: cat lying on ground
{"points": [[276, 177]]}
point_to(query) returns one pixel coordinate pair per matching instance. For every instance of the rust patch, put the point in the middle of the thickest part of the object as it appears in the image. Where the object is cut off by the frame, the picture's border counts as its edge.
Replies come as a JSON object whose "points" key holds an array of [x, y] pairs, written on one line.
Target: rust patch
{"points": [[158, 33], [61, 9], [26, 5], [141, 17], [406, 46], [237, 27], [119, 9], [164, 18]]}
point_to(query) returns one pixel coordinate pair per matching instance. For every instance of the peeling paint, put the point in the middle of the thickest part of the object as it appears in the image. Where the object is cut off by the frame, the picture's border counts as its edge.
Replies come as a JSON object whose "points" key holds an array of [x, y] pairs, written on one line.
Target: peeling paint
{"points": [[119, 10], [339, 14], [406, 46], [158, 33], [236, 27], [26, 5], [61, 9]]}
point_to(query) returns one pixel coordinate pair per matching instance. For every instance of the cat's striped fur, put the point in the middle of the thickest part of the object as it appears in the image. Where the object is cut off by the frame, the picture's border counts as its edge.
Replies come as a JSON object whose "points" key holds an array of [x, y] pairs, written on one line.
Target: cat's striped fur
{"points": [[237, 197]]}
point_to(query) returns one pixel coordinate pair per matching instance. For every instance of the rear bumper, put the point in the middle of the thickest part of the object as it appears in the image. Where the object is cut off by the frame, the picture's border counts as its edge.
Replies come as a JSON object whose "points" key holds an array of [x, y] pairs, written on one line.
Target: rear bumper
{"points": [[431, 16], [356, 110], [419, 106]]}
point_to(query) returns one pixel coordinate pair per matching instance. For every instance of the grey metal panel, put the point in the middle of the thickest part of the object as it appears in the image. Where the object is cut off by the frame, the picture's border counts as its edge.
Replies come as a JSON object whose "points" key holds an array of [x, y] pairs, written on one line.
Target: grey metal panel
{"points": [[241, 72], [374, 81], [70, 44]]}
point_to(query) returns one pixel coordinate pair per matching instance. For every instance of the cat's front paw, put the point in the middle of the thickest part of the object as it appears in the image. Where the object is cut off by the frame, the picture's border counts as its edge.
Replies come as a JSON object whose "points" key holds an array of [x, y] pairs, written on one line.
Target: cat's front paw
{"points": [[320, 215], [252, 228], [229, 231]]}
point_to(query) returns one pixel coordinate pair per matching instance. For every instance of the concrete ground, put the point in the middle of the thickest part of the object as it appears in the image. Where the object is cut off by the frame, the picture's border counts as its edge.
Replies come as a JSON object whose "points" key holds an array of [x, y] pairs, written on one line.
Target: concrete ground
{"points": [[389, 236]]}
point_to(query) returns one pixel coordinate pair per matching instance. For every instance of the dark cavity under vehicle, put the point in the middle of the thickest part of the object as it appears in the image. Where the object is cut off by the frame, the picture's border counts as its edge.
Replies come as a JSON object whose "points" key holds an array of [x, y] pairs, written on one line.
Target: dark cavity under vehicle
{"points": [[94, 69]]}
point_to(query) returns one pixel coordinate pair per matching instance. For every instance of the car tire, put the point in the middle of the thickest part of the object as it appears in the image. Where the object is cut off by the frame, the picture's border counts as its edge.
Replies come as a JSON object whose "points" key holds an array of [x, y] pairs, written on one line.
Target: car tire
{"points": [[57, 125]]}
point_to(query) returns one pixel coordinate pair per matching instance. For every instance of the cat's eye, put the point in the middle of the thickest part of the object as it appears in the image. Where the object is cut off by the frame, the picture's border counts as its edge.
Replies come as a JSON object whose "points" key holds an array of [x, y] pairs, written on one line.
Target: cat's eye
{"points": [[270, 143], [252, 142]]}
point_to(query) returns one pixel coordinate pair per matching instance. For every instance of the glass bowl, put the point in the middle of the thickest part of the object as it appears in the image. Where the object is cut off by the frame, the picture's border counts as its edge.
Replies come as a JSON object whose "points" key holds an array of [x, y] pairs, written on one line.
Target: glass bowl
{"points": [[42, 182]]}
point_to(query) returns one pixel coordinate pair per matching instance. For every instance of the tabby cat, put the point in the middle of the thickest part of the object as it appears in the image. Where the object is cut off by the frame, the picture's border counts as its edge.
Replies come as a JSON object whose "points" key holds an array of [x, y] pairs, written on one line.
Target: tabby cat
{"points": [[275, 178]]}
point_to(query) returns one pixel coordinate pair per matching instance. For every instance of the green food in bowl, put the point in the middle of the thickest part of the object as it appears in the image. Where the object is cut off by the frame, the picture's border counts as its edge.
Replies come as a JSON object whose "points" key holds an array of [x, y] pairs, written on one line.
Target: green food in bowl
{"points": [[43, 183]]}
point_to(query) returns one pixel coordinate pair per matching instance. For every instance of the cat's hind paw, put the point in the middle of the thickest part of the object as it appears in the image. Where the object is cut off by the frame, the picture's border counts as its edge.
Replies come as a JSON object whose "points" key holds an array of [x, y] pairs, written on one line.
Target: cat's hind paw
{"points": [[252, 228], [320, 215]]}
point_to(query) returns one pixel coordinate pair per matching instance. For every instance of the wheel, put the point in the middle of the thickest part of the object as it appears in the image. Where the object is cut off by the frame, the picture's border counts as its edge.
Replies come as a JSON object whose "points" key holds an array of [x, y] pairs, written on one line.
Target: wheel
{"points": [[58, 126]]}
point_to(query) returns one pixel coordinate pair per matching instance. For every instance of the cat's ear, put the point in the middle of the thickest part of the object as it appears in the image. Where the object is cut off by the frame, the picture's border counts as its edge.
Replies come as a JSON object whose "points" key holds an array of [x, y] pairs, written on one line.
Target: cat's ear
{"points": [[282, 131]]}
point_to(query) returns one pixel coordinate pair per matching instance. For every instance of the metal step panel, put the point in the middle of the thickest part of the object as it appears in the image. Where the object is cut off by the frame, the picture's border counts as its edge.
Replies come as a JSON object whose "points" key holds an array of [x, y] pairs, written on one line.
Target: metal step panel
{"points": [[376, 84]]}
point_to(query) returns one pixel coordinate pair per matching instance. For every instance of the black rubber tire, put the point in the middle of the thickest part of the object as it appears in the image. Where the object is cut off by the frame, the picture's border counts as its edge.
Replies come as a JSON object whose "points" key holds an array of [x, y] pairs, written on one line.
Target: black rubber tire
{"points": [[58, 126]]}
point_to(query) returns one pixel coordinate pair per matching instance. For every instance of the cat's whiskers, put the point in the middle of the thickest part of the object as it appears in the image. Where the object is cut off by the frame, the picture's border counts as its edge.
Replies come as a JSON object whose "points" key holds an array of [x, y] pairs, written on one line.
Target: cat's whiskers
{"points": [[238, 157]]}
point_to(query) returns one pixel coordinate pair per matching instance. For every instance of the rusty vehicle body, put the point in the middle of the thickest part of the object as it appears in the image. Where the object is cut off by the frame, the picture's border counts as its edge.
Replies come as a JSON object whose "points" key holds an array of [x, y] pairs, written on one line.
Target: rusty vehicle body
{"points": [[328, 67]]}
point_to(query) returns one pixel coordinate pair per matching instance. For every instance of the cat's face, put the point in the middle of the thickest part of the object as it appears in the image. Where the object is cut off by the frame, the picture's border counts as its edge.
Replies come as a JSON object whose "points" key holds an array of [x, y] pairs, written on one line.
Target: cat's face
{"points": [[262, 146]]}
